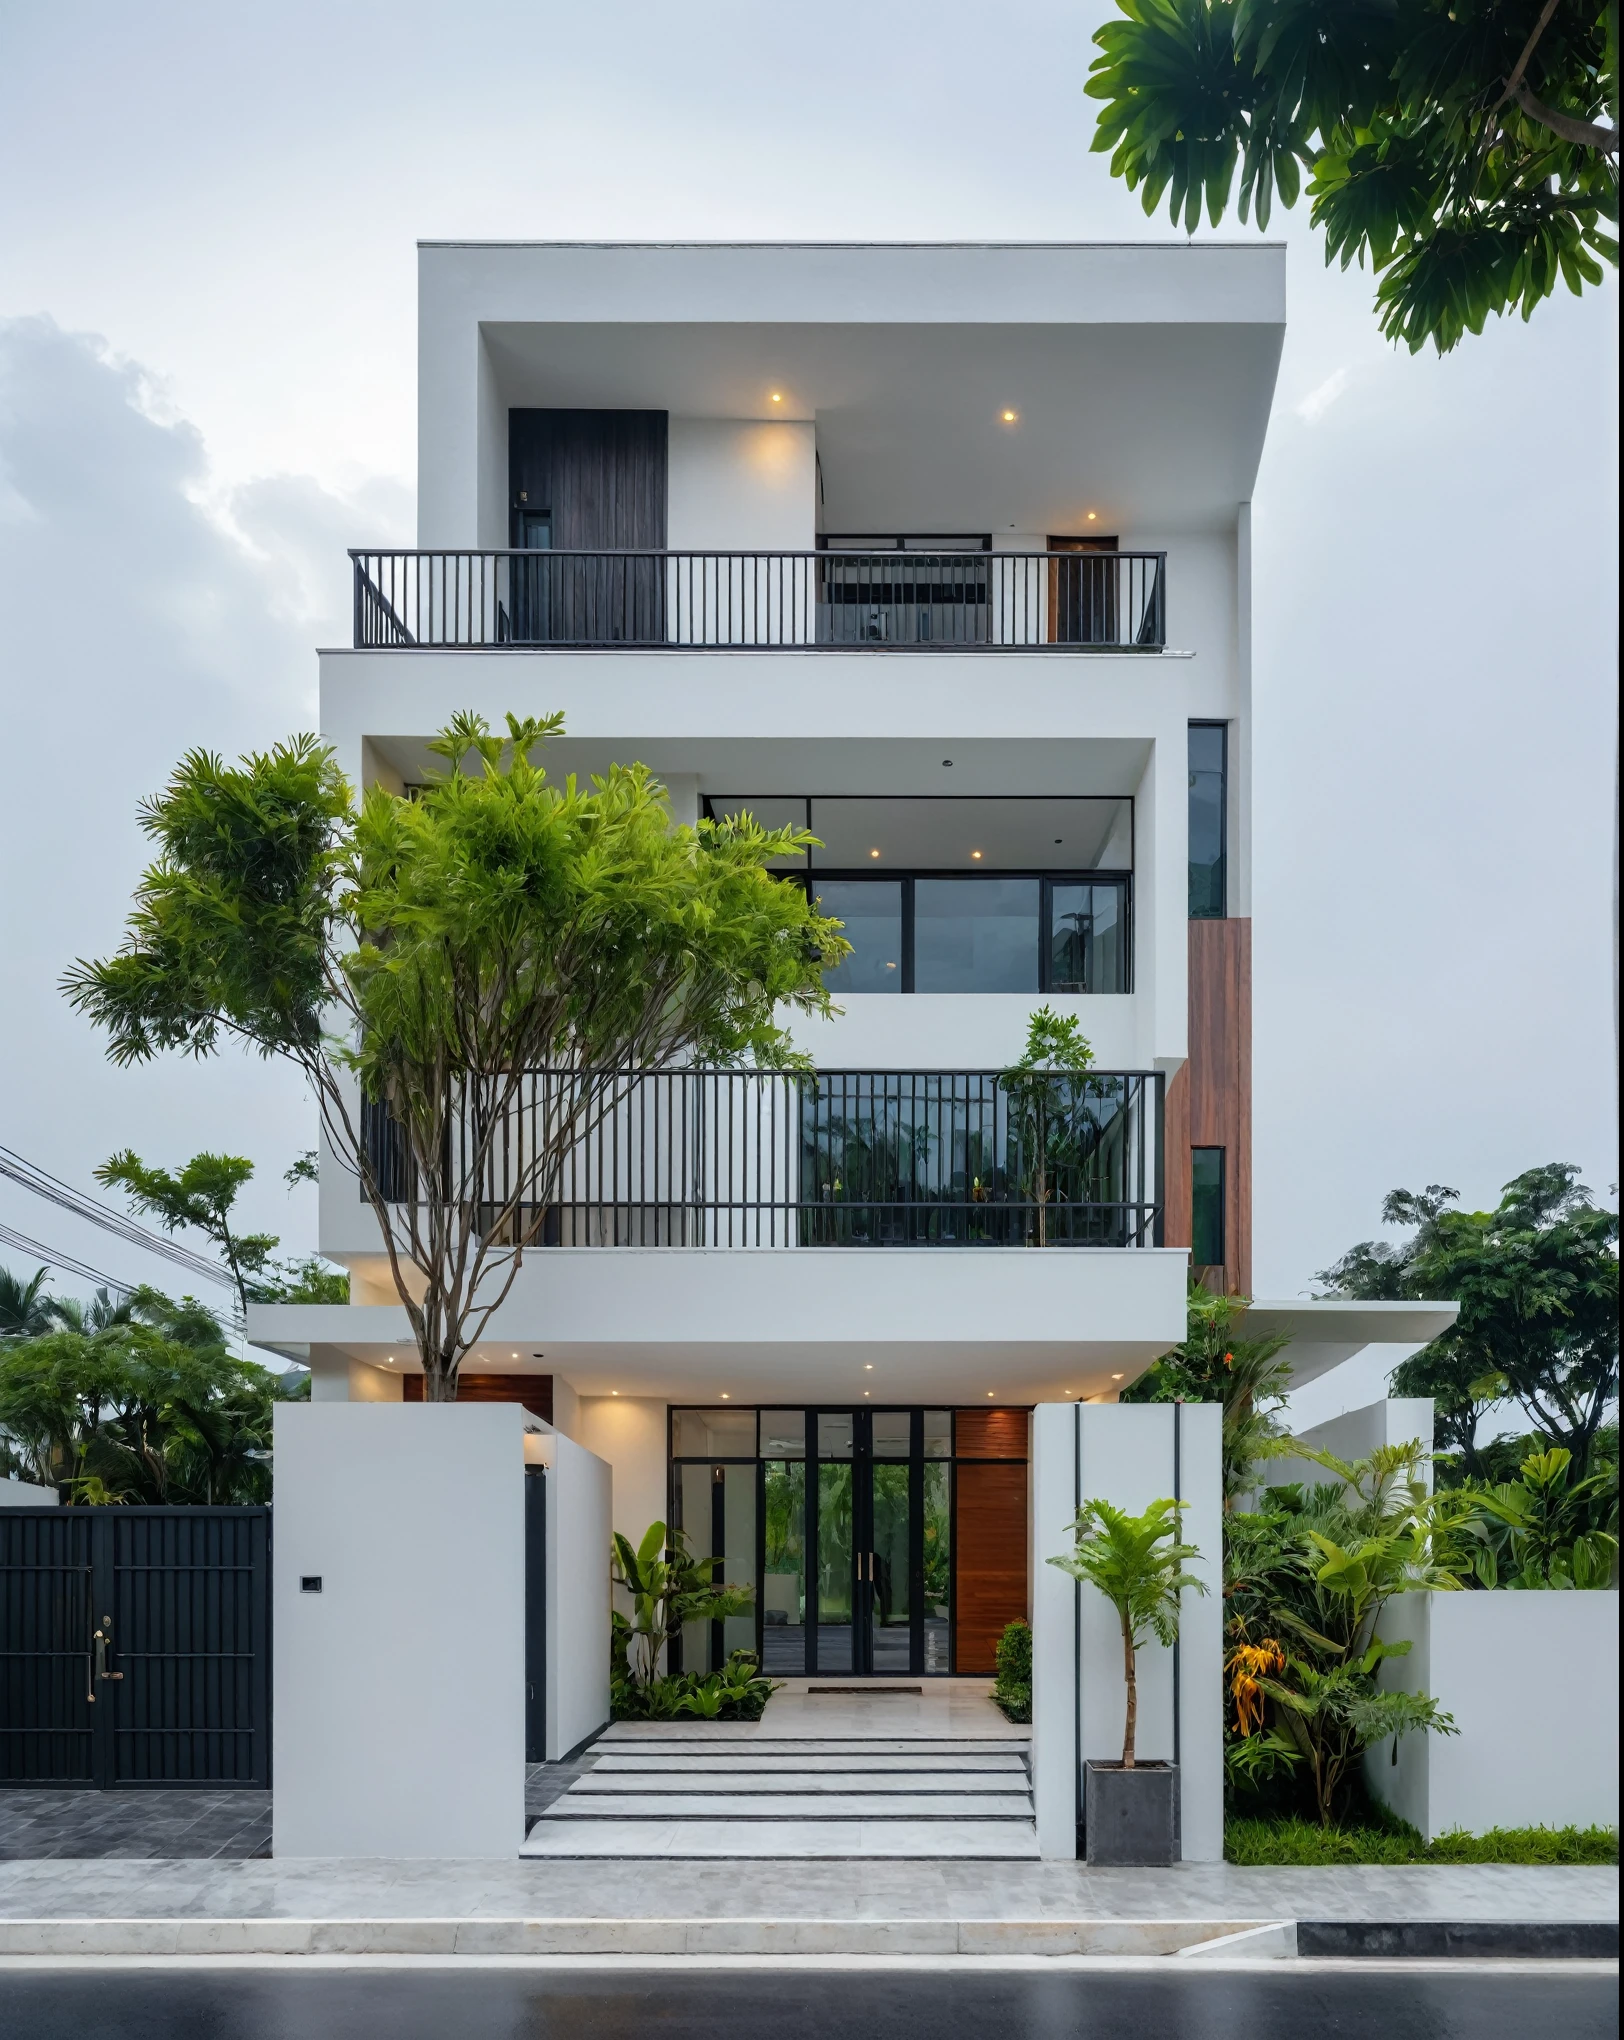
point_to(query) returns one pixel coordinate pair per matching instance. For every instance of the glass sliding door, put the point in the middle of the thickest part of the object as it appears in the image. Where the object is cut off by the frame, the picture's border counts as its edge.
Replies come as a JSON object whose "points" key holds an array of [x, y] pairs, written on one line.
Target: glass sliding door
{"points": [[783, 1542]]}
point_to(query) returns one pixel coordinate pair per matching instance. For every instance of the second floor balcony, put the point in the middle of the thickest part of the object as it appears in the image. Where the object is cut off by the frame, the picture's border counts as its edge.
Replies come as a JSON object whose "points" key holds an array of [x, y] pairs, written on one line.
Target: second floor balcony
{"points": [[835, 1158], [892, 599]]}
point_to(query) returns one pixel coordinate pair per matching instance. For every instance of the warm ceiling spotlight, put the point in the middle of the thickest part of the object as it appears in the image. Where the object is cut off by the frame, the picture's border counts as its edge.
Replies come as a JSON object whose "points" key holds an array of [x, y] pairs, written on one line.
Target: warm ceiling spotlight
{"points": [[1093, 517], [868, 1391], [976, 854], [614, 1391], [1009, 417], [1116, 1377], [777, 396], [725, 1396], [989, 1391], [868, 1366], [874, 853]]}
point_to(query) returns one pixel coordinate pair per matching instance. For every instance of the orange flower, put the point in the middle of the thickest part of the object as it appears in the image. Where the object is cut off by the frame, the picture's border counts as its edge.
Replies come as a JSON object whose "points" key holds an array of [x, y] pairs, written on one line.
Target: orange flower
{"points": [[1248, 1663]]}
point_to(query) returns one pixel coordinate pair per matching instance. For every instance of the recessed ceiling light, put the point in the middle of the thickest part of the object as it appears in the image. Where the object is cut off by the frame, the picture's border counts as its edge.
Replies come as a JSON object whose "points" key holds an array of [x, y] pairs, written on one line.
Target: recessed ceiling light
{"points": [[614, 1391], [778, 396], [1009, 417], [976, 854], [868, 1366], [868, 1391], [1093, 516], [874, 853], [948, 762], [989, 1391], [1116, 1377], [725, 1396]]}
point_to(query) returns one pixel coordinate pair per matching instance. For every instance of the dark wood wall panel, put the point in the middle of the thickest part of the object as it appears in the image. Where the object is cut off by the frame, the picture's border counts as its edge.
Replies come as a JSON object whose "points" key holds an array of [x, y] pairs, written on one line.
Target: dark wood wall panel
{"points": [[602, 474], [535, 1391], [989, 1560], [1220, 1081], [990, 1434]]}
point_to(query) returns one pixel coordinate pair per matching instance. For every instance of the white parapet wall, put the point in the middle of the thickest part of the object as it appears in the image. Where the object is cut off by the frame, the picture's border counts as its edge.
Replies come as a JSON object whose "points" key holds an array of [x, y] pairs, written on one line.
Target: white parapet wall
{"points": [[24, 1494], [398, 1683], [1130, 1455], [1531, 1680], [1356, 1434], [578, 1532]]}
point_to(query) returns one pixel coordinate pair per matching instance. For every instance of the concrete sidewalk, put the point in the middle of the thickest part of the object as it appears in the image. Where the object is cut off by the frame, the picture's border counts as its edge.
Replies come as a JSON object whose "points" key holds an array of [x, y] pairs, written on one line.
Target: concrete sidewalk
{"points": [[110, 1907]]}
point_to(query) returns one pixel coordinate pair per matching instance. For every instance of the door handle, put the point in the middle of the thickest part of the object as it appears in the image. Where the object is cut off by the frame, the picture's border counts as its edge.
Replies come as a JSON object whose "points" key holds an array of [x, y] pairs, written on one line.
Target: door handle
{"points": [[104, 1643]]}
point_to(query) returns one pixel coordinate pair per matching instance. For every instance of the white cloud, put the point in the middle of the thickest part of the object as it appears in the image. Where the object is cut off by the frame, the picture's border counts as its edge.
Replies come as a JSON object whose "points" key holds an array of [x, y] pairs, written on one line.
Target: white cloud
{"points": [[138, 624], [1314, 406]]}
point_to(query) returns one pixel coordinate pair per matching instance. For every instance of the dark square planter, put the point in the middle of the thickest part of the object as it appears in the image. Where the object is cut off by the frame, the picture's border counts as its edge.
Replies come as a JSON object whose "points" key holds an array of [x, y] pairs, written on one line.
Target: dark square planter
{"points": [[1131, 1817]]}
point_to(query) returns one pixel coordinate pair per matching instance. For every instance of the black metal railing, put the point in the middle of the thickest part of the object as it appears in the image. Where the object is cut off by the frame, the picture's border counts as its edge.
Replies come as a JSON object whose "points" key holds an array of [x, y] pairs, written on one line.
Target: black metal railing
{"points": [[753, 601], [842, 1158]]}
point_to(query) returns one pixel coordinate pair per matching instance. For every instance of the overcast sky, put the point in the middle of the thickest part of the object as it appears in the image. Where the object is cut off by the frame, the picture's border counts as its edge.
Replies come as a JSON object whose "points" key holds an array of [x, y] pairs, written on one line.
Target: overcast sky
{"points": [[207, 351]]}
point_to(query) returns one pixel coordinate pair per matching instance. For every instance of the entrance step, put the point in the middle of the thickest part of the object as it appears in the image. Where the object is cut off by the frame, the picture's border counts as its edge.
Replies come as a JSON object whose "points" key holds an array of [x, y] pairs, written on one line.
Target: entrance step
{"points": [[757, 1797]]}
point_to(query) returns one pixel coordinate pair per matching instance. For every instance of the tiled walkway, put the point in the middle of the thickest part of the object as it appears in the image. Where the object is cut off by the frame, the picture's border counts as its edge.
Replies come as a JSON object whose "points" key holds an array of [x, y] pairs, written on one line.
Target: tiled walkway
{"points": [[178, 1823]]}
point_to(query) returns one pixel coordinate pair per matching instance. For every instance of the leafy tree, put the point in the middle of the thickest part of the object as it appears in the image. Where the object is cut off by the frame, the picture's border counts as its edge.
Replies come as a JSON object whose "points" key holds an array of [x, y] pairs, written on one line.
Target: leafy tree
{"points": [[1137, 1563], [201, 1196], [148, 1406], [1537, 1282], [429, 955], [1246, 1375], [1043, 1087], [26, 1308], [1456, 144]]}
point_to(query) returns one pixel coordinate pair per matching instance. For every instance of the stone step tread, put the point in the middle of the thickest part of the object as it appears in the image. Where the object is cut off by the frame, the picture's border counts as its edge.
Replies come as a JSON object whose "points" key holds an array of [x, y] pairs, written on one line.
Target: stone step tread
{"points": [[790, 1805], [673, 1840], [722, 1764], [608, 1783], [833, 1746]]}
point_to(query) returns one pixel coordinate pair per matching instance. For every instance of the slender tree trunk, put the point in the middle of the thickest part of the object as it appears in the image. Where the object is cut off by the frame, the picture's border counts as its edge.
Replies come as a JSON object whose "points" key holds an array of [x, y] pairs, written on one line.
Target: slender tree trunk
{"points": [[440, 1378], [1130, 1673]]}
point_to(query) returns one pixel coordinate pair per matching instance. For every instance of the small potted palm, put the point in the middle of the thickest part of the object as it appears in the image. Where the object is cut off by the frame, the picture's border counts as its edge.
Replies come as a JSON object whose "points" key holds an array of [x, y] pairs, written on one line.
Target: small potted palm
{"points": [[1130, 1809]]}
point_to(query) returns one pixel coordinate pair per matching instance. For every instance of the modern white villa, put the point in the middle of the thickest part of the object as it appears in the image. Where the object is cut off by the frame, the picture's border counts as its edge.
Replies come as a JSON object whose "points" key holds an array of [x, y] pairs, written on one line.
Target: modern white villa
{"points": [[944, 553]]}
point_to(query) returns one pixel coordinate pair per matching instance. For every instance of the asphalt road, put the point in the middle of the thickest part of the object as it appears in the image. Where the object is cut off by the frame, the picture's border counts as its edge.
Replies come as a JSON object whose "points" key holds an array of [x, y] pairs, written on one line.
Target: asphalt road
{"points": [[104, 2002]]}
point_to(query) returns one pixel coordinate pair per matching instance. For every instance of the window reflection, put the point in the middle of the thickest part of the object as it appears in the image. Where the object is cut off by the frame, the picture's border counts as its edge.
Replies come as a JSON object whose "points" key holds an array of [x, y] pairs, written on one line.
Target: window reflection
{"points": [[976, 935], [872, 913]]}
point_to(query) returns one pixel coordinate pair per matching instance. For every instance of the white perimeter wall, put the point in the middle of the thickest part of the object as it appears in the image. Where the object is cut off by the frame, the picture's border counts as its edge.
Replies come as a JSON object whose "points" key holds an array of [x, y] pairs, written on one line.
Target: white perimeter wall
{"points": [[1123, 1453], [577, 1591], [23, 1494], [737, 485], [1395, 1420], [398, 1690], [1532, 1682]]}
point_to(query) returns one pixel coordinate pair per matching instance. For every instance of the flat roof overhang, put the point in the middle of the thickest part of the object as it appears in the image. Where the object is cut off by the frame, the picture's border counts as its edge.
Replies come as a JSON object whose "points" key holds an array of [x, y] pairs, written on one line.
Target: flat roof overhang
{"points": [[1325, 1331], [894, 1324], [1141, 376]]}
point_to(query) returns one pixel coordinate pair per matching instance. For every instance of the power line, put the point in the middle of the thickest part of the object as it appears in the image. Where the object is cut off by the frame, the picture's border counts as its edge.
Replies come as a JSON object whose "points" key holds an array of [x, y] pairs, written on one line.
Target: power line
{"points": [[64, 1262], [44, 1184]]}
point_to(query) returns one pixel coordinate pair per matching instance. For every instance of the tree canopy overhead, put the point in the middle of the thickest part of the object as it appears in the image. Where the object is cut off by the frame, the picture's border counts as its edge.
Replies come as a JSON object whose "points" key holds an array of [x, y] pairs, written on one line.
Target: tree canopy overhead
{"points": [[429, 954], [1537, 1283], [1457, 145]]}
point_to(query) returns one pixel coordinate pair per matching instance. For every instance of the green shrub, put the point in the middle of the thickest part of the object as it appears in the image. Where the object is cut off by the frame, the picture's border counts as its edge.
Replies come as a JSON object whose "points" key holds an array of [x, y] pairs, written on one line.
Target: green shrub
{"points": [[738, 1692], [1012, 1687], [1305, 1843]]}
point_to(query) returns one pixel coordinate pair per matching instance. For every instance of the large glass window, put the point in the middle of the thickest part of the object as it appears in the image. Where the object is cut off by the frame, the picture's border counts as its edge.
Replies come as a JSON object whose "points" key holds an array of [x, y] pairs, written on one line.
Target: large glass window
{"points": [[1088, 938], [1209, 799], [1207, 1207], [872, 913], [976, 934]]}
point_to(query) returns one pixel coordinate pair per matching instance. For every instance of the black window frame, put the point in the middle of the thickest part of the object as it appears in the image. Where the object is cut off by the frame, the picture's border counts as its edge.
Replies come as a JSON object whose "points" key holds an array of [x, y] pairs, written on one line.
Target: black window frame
{"points": [[1221, 913], [1046, 882], [1198, 1260]]}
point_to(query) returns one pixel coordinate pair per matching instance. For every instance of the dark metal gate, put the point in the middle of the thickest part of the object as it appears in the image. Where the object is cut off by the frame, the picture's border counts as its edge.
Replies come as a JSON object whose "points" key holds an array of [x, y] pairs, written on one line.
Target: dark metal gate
{"points": [[135, 1646]]}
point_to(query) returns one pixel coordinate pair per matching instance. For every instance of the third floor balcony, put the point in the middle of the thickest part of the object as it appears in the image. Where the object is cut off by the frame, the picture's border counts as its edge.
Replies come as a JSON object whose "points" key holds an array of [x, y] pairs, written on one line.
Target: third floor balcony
{"points": [[905, 595]]}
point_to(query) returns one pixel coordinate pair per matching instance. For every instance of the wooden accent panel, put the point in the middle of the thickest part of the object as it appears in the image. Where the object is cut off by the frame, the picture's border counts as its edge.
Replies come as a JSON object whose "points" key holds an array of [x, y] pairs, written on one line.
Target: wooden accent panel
{"points": [[1220, 1092], [535, 1391], [990, 1434], [989, 1560], [602, 474]]}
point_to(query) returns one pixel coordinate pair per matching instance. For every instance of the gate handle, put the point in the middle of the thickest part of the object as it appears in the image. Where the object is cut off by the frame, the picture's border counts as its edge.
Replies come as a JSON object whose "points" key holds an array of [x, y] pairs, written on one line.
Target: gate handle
{"points": [[103, 1642]]}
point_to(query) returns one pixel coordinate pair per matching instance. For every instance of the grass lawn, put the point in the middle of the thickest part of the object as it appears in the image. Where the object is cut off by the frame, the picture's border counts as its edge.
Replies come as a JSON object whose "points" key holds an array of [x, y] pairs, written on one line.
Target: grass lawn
{"points": [[1291, 1840]]}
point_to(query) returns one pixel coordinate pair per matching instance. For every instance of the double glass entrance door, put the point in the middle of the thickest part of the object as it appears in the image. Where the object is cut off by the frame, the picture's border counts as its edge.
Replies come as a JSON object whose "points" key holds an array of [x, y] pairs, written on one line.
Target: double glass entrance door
{"points": [[856, 1560]]}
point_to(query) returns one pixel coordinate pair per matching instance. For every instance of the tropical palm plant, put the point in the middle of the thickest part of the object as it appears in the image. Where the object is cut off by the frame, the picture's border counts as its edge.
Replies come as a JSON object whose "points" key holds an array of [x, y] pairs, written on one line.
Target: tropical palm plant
{"points": [[26, 1308], [668, 1587], [1138, 1564]]}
